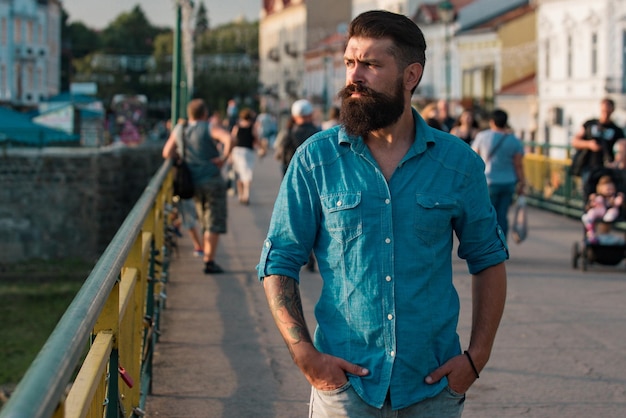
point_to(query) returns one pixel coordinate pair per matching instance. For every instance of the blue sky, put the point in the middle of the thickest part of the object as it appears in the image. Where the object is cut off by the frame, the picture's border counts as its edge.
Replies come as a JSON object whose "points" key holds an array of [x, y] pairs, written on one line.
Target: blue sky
{"points": [[97, 14]]}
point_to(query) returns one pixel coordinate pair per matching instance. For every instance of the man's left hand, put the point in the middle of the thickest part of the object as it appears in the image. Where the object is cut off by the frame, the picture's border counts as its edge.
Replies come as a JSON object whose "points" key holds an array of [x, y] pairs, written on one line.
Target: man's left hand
{"points": [[459, 372]]}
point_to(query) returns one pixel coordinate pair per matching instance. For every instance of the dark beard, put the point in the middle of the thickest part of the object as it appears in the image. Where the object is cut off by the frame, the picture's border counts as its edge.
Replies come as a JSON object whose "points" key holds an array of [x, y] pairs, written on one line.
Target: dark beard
{"points": [[371, 111]]}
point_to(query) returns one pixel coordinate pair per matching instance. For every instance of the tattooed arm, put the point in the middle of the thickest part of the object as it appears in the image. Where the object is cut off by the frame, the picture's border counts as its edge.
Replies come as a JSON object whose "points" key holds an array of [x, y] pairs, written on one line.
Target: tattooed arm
{"points": [[323, 371]]}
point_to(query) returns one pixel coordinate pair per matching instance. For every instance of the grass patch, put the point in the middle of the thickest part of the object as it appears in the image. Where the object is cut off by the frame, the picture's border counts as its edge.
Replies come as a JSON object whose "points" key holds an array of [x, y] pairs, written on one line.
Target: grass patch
{"points": [[33, 297]]}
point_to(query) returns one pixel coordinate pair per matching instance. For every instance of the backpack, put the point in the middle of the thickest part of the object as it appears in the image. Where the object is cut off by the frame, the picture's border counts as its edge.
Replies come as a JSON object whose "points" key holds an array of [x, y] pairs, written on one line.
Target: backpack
{"points": [[296, 136], [183, 184]]}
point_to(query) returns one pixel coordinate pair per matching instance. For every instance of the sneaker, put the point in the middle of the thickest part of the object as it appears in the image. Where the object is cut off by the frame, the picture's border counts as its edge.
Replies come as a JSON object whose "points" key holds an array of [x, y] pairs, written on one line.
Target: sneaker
{"points": [[198, 253], [176, 231], [210, 267]]}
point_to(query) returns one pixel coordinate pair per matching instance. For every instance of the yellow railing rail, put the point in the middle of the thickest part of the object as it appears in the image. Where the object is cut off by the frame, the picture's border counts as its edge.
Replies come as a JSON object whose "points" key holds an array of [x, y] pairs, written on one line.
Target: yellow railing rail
{"points": [[98, 360]]}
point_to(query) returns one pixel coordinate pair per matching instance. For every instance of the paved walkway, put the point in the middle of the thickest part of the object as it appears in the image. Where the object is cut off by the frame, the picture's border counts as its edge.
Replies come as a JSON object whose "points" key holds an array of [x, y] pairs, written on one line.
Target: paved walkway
{"points": [[559, 352]]}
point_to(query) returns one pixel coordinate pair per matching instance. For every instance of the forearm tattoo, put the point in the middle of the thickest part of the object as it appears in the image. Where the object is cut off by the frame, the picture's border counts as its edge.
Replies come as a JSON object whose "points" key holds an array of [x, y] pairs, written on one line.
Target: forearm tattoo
{"points": [[286, 307]]}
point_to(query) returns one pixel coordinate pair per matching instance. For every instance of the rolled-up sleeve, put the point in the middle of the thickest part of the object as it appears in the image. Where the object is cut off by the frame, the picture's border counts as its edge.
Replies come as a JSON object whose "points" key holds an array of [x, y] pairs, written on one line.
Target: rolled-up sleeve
{"points": [[293, 225], [482, 243]]}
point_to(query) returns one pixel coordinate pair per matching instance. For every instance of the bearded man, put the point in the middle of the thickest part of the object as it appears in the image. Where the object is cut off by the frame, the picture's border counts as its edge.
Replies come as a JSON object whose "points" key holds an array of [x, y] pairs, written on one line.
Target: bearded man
{"points": [[378, 199]]}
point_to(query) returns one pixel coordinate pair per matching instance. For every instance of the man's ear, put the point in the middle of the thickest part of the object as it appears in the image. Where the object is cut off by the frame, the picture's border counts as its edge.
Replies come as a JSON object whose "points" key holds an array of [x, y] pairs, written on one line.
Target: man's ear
{"points": [[412, 75]]}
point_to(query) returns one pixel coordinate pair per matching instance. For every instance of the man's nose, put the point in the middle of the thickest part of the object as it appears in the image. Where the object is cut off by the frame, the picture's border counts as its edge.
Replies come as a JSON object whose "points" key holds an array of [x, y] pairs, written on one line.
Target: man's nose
{"points": [[354, 75]]}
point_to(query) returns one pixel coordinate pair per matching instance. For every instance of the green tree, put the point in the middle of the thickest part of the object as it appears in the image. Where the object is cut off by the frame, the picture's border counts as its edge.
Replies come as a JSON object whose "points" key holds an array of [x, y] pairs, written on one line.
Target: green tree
{"points": [[81, 39], [236, 37], [162, 51], [130, 33], [218, 84], [202, 20]]}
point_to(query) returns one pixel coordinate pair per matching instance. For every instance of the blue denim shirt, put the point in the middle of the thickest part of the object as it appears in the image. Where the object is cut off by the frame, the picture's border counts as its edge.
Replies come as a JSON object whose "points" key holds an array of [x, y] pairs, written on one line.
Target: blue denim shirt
{"points": [[384, 252]]}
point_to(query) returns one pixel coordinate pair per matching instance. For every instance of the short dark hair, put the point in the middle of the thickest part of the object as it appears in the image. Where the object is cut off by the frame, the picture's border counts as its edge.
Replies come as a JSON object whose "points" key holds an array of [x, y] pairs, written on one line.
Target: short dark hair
{"points": [[197, 109], [499, 118], [609, 102], [409, 43]]}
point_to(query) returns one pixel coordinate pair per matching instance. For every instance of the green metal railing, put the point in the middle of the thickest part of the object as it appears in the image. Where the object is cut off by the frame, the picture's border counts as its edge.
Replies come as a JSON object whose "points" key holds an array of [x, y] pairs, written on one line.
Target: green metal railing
{"points": [[98, 360]]}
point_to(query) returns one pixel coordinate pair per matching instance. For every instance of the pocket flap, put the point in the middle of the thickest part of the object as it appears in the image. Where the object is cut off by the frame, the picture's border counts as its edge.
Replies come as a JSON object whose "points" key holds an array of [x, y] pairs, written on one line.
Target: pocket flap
{"points": [[434, 201], [341, 201]]}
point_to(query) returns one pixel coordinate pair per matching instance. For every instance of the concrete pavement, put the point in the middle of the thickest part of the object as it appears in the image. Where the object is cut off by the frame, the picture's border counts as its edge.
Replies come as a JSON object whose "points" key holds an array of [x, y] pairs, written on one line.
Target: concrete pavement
{"points": [[559, 351]]}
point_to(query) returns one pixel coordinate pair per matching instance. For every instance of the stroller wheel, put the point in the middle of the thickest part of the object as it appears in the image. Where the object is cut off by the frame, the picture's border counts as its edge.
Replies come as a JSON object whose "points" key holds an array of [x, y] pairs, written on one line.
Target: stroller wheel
{"points": [[585, 259], [575, 255]]}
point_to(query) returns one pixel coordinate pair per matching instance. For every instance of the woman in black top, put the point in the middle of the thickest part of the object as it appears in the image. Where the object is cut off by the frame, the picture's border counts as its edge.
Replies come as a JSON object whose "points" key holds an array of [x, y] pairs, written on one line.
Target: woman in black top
{"points": [[243, 157]]}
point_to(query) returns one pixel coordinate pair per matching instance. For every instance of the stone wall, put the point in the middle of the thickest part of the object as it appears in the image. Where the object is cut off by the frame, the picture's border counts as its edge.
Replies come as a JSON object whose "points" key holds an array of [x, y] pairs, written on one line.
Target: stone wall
{"points": [[58, 203]]}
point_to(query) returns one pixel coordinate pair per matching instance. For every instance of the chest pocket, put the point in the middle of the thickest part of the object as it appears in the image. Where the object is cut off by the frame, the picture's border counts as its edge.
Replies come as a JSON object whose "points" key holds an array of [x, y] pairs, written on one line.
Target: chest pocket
{"points": [[342, 215], [433, 216]]}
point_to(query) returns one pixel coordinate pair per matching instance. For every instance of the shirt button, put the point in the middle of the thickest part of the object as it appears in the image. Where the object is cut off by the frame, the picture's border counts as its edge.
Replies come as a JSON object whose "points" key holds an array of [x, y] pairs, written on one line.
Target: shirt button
{"points": [[392, 353], [339, 203], [390, 317], [387, 240], [387, 201], [388, 278], [267, 244]]}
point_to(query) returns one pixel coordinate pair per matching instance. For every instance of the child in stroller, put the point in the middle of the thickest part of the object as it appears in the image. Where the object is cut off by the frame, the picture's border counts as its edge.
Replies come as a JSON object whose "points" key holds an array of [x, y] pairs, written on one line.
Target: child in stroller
{"points": [[606, 203], [602, 205]]}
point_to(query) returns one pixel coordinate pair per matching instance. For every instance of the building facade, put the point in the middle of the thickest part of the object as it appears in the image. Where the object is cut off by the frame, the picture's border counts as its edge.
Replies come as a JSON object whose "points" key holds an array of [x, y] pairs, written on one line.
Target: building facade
{"points": [[287, 29], [581, 60], [30, 51]]}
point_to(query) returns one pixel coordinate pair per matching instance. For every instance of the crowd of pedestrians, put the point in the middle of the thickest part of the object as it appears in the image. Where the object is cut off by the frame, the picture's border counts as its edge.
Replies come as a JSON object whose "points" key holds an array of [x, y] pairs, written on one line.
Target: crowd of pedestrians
{"points": [[373, 194]]}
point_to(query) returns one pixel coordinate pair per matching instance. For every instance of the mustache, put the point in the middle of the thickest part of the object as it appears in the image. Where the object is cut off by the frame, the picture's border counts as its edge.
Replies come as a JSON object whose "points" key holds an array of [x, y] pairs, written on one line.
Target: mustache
{"points": [[348, 90]]}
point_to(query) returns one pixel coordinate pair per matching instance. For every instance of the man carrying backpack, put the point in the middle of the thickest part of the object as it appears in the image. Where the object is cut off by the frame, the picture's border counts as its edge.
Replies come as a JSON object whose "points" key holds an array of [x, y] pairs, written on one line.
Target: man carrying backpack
{"points": [[296, 132]]}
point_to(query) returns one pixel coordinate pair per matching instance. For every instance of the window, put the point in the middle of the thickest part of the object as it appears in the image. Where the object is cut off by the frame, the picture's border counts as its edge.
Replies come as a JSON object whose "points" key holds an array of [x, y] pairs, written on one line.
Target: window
{"points": [[29, 77], [547, 60], [570, 54], [29, 32], [17, 31], [594, 53], [3, 30], [3, 81], [623, 61]]}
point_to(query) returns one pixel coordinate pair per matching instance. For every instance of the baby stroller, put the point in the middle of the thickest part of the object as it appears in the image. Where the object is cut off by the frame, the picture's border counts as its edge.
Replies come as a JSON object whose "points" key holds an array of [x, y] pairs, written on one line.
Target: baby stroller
{"points": [[608, 247]]}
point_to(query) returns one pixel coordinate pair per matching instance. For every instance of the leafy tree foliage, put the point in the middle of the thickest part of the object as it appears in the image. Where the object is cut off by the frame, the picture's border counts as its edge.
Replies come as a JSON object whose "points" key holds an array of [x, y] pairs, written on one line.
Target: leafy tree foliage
{"points": [[235, 37], [202, 20], [130, 33], [81, 39]]}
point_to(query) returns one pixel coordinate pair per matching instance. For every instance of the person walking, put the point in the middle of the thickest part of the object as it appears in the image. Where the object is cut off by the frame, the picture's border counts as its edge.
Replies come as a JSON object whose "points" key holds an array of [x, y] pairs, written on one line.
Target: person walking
{"points": [[186, 215], [379, 201], [503, 154], [443, 115], [596, 139], [296, 132], [465, 127], [205, 162], [266, 129], [247, 144]]}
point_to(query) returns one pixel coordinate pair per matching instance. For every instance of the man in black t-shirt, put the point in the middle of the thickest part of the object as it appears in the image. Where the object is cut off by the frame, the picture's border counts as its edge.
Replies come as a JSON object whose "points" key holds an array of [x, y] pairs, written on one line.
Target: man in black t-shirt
{"points": [[599, 137], [293, 136]]}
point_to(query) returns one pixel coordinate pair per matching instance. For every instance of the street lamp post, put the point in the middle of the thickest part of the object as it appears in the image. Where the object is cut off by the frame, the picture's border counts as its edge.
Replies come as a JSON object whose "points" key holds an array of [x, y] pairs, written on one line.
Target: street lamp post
{"points": [[446, 15], [179, 81], [176, 67]]}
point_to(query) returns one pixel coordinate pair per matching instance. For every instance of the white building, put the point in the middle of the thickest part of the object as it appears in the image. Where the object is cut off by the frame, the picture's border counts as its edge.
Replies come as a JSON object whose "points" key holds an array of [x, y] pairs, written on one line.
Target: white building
{"points": [[581, 60], [325, 72], [287, 29], [30, 51]]}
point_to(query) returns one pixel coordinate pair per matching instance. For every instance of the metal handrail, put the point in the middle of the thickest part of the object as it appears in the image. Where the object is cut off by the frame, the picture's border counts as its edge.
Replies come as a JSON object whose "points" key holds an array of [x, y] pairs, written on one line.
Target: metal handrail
{"points": [[42, 390]]}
